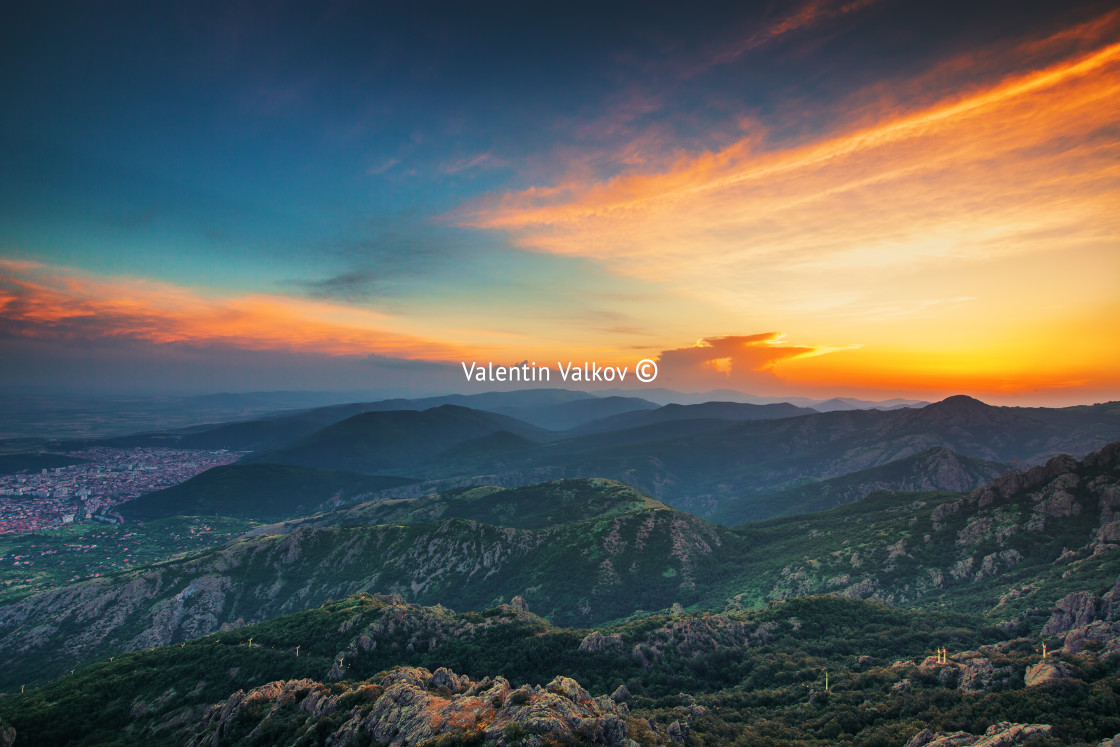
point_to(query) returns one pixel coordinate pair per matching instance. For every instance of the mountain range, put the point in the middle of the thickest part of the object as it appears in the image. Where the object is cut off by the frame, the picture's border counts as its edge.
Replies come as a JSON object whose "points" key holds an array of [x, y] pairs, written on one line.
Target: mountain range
{"points": [[459, 574], [591, 579]]}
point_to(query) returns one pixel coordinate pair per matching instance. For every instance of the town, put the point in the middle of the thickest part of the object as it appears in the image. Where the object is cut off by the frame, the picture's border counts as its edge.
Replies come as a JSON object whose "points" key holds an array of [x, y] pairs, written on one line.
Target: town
{"points": [[88, 491]]}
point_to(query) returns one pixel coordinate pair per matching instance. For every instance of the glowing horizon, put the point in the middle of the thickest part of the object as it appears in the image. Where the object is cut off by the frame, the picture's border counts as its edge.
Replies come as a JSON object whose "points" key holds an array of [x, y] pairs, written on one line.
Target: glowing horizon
{"points": [[881, 223]]}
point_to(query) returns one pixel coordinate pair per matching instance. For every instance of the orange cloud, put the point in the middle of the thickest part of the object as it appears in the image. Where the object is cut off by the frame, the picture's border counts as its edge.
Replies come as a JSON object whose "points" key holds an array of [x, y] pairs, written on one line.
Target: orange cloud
{"points": [[60, 304], [746, 361], [1024, 165]]}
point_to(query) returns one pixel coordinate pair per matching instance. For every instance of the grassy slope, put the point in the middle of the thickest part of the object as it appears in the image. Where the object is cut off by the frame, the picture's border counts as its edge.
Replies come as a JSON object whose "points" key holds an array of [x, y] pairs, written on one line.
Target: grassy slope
{"points": [[632, 554], [835, 550]]}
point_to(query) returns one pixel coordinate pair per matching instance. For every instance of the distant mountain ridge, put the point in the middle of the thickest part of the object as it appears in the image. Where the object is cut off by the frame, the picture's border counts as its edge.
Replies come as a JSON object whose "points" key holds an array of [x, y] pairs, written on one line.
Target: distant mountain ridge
{"points": [[934, 469], [731, 411], [698, 465]]}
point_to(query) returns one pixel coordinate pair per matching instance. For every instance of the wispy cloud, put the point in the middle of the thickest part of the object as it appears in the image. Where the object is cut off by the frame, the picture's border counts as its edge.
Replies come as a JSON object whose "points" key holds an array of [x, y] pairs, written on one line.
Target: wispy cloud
{"points": [[1026, 164], [807, 15], [467, 163], [66, 305], [383, 166]]}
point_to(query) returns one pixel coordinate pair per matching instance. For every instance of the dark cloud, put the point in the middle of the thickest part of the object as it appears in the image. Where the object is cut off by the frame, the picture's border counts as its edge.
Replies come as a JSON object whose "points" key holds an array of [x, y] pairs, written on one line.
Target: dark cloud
{"points": [[352, 286], [133, 366]]}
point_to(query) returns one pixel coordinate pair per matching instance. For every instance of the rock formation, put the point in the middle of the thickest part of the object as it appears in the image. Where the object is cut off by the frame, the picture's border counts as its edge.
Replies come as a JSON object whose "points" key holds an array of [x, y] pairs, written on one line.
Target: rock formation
{"points": [[410, 706]]}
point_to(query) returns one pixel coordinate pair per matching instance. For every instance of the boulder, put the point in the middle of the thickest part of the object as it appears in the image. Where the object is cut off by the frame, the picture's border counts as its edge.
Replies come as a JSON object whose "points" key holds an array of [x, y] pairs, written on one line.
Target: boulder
{"points": [[1046, 671], [678, 732], [448, 680]]}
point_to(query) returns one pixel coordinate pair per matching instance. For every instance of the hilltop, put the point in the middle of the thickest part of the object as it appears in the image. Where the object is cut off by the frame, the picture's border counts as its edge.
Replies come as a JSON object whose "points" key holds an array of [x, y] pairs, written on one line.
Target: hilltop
{"points": [[395, 441]]}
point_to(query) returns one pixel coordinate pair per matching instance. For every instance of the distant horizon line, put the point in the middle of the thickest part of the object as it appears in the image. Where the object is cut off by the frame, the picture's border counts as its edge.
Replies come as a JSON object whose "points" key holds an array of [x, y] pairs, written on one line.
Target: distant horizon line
{"points": [[652, 394]]}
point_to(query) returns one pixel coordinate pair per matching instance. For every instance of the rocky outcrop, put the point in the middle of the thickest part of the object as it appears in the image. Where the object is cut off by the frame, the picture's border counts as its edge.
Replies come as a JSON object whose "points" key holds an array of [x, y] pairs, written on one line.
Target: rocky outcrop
{"points": [[976, 539], [411, 706], [973, 671], [1104, 636], [703, 634], [1003, 734], [1045, 672], [1072, 611], [979, 673], [596, 642], [1088, 624]]}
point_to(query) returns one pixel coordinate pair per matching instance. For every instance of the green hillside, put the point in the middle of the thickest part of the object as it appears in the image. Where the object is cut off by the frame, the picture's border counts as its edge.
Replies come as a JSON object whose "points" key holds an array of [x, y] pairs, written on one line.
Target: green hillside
{"points": [[32, 562], [1007, 550], [395, 441], [264, 492]]}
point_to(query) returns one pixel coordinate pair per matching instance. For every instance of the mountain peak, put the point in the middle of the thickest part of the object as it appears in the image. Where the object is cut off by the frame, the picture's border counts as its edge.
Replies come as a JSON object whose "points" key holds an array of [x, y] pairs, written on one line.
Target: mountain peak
{"points": [[959, 407], [959, 401]]}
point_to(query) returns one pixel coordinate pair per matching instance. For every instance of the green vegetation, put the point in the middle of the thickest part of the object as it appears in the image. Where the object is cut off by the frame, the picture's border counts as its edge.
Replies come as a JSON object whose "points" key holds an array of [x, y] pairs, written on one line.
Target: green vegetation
{"points": [[986, 560], [265, 492], [767, 610], [586, 552], [38, 561], [765, 686], [539, 506]]}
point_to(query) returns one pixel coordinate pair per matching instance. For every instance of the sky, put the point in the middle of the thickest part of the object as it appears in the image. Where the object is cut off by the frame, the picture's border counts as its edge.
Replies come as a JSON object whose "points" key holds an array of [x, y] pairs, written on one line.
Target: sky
{"points": [[864, 198]]}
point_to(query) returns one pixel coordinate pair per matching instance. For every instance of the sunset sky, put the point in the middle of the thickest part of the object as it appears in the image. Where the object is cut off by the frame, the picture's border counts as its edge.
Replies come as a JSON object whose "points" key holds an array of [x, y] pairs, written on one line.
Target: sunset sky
{"points": [[867, 198]]}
